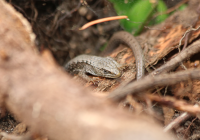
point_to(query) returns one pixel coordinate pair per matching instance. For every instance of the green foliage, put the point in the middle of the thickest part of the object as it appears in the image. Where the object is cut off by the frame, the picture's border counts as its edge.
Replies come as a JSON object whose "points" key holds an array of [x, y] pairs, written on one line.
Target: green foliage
{"points": [[182, 7], [161, 7], [139, 12]]}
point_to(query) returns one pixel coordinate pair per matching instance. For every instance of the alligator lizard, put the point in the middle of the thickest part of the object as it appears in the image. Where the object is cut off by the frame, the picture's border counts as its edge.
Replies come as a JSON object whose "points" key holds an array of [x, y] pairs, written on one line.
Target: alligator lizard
{"points": [[107, 66]]}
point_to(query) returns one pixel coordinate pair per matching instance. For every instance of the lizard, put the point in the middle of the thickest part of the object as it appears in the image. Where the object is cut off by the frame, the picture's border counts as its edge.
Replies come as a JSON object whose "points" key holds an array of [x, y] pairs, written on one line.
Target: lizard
{"points": [[106, 66]]}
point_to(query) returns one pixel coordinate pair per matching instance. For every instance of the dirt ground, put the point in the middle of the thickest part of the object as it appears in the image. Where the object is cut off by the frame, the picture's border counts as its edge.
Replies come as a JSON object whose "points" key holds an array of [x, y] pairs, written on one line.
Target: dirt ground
{"points": [[56, 25]]}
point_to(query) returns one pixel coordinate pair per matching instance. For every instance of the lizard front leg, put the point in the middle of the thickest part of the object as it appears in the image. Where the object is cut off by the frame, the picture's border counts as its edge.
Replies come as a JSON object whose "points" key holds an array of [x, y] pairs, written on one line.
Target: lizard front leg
{"points": [[83, 74]]}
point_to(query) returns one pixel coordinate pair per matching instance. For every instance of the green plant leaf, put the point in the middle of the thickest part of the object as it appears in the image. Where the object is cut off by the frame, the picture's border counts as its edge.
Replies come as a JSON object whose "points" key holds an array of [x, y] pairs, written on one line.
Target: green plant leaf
{"points": [[139, 12], [160, 9]]}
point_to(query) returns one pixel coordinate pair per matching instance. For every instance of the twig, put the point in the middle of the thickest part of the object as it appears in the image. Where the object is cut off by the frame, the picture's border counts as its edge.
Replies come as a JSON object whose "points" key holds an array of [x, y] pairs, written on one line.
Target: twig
{"points": [[193, 24], [83, 2], [174, 62], [149, 82], [184, 116], [35, 10], [188, 31], [101, 20], [174, 103], [171, 9], [189, 126]]}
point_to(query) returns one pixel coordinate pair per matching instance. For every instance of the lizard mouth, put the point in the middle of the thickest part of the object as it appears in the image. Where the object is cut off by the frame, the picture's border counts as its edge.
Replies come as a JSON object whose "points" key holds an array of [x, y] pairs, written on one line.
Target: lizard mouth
{"points": [[115, 75], [119, 74]]}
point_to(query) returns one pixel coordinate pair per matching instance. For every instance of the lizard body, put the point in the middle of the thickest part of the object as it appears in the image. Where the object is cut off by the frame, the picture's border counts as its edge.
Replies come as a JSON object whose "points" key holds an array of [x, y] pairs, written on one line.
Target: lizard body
{"points": [[107, 66], [94, 65]]}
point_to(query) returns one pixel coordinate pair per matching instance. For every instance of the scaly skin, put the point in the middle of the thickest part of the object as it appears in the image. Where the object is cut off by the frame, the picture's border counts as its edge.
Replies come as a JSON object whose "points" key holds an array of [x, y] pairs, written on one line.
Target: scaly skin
{"points": [[94, 65], [107, 66]]}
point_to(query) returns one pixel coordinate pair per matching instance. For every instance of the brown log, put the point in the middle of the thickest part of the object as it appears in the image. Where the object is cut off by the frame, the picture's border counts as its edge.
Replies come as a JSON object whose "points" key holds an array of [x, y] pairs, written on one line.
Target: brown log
{"points": [[40, 94]]}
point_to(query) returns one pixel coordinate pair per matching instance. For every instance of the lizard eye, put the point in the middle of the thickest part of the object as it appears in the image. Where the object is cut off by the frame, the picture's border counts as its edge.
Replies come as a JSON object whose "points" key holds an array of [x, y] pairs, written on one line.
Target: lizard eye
{"points": [[106, 72]]}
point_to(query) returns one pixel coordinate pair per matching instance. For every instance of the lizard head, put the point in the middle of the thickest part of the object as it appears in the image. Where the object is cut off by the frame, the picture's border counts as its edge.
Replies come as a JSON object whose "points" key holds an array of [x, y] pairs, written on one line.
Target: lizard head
{"points": [[114, 73], [107, 67]]}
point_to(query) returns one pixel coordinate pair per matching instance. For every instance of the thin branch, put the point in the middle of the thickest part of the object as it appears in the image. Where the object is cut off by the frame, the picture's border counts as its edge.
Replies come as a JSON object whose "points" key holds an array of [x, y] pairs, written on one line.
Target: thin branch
{"points": [[174, 62], [149, 82], [174, 103], [101, 20], [171, 9], [184, 116], [186, 33], [194, 23]]}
